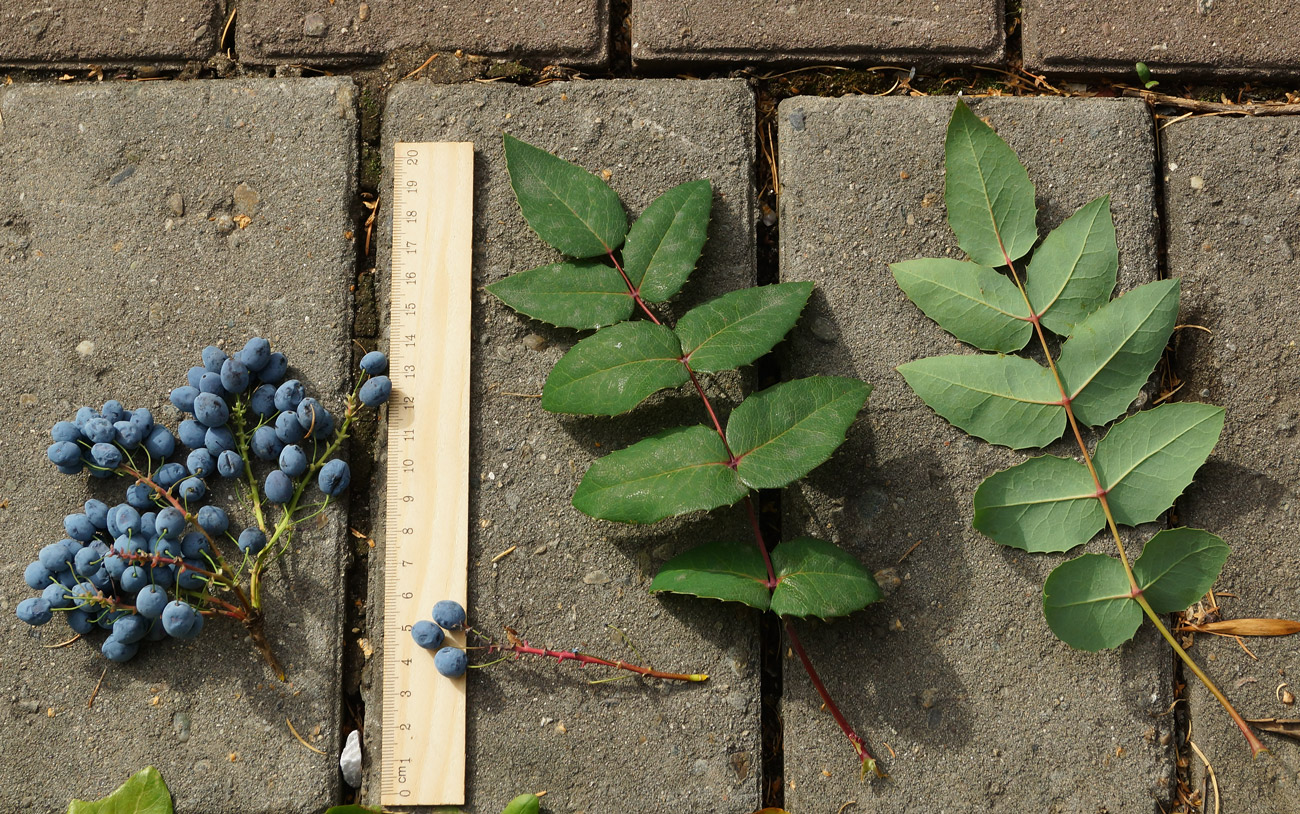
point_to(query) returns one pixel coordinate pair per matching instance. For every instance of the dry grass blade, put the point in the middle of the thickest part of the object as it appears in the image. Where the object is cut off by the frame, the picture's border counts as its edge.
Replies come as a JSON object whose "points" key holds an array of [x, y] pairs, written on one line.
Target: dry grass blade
{"points": [[1248, 627], [300, 738], [1214, 781], [1278, 726], [1198, 106]]}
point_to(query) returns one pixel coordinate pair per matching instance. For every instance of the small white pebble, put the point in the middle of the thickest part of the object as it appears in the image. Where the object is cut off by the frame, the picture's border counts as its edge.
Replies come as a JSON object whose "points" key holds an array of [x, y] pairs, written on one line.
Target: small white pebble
{"points": [[86, 347], [1197, 182]]}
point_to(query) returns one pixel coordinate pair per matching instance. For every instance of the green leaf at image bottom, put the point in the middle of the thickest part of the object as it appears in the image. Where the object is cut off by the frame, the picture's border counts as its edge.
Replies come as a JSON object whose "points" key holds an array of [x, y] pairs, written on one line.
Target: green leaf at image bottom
{"points": [[523, 804], [674, 472], [725, 570], [144, 793], [1178, 566], [1043, 504], [817, 578], [1088, 605], [580, 294]]}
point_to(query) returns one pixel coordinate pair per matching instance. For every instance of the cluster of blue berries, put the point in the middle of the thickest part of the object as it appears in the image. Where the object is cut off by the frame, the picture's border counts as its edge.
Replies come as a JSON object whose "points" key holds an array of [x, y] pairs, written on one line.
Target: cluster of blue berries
{"points": [[448, 614], [146, 569]]}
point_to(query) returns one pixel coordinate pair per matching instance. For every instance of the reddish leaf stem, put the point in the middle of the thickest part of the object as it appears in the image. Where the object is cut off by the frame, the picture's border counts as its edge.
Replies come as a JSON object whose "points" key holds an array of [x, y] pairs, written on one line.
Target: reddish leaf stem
{"points": [[633, 290], [758, 540], [520, 647], [717, 425]]}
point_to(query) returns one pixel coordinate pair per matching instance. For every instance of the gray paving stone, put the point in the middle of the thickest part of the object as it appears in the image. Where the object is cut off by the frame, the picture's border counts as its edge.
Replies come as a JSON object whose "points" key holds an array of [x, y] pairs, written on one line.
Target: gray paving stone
{"points": [[109, 293], [351, 31], [956, 670], [1232, 193], [668, 748], [79, 33], [919, 32], [1246, 38]]}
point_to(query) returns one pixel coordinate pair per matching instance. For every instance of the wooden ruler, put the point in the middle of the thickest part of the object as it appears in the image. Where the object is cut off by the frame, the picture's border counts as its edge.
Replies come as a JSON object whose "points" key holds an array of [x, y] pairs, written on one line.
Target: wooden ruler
{"points": [[427, 516]]}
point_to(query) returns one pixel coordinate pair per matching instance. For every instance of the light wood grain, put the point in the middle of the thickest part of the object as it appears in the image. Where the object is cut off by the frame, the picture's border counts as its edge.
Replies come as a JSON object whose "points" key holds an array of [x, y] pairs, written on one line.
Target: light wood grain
{"points": [[427, 542]]}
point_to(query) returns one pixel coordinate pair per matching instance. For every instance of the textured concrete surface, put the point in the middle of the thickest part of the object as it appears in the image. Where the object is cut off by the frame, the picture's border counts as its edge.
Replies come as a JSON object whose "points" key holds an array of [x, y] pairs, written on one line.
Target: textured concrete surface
{"points": [[1232, 190], [917, 32], [956, 670], [111, 292], [350, 31], [1242, 38], [595, 748], [73, 33]]}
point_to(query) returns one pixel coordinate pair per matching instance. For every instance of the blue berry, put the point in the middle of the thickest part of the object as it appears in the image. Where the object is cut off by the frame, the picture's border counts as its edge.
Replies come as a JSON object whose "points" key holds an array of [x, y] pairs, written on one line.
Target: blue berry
{"points": [[160, 442], [376, 391], [99, 431], [211, 410], [211, 383], [84, 414], [106, 456], [252, 540], [201, 463], [182, 398], [64, 453], [170, 523], [194, 374], [262, 402], [265, 443], [193, 433], [234, 376], [150, 602], [130, 629], [309, 412], [229, 464], [65, 431], [213, 358], [256, 354], [142, 419], [190, 580], [35, 611], [449, 614], [374, 363], [102, 579], [194, 545], [139, 496], [55, 558], [118, 650], [167, 547], [287, 428], [293, 461], [213, 520], [79, 621], [192, 489], [170, 474], [334, 477], [288, 395], [125, 517], [163, 575], [451, 662], [37, 576], [127, 434], [148, 525], [178, 617], [218, 440], [58, 595], [79, 527], [324, 425], [113, 411], [87, 561], [276, 367], [427, 634], [134, 578], [114, 565], [278, 487]]}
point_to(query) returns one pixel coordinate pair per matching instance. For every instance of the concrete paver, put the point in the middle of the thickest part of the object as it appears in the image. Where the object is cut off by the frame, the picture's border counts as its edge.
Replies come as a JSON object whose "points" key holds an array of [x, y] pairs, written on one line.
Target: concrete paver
{"points": [[902, 31], [77, 33], [691, 748], [1245, 38], [351, 31], [1232, 196], [956, 670], [118, 270]]}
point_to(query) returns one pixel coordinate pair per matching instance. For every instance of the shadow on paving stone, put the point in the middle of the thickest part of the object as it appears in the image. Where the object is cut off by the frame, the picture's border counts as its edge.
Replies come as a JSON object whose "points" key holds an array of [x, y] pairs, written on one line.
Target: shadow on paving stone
{"points": [[117, 273], [538, 725]]}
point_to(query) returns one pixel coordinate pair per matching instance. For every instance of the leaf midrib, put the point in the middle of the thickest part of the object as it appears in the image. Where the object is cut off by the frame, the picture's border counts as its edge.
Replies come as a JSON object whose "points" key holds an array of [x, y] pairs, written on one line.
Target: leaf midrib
{"points": [[1119, 347], [1155, 452], [729, 325], [585, 376], [1074, 267], [964, 295], [792, 427], [973, 389], [658, 245], [967, 134], [565, 204], [658, 474]]}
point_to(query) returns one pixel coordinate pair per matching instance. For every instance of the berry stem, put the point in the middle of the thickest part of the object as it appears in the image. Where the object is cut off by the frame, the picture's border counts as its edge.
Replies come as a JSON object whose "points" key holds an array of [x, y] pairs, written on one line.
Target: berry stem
{"points": [[519, 647]]}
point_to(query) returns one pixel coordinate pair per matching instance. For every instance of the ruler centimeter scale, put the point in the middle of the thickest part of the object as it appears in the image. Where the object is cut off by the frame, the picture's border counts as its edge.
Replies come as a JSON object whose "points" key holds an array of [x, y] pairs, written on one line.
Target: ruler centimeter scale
{"points": [[427, 512]]}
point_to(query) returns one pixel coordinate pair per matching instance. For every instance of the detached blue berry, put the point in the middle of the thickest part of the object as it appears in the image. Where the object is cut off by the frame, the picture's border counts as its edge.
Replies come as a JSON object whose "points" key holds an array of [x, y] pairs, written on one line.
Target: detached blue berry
{"points": [[427, 634], [449, 614], [376, 391], [374, 363], [451, 662]]}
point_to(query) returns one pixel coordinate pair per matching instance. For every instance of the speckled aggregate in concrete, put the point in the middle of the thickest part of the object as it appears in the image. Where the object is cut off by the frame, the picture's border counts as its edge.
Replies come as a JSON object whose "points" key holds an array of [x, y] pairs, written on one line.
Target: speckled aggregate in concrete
{"points": [[956, 669], [112, 286], [77, 34], [1232, 193], [605, 747]]}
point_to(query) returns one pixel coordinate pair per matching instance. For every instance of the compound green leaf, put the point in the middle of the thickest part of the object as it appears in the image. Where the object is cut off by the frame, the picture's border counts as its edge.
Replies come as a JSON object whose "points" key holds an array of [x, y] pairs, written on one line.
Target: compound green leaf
{"points": [[1148, 459], [1178, 566], [817, 578], [674, 472], [1113, 351], [784, 432], [580, 294], [1043, 504], [972, 302], [1073, 273], [988, 193], [569, 208], [737, 328], [144, 793], [725, 570], [1088, 604], [1005, 400], [614, 370], [664, 244]]}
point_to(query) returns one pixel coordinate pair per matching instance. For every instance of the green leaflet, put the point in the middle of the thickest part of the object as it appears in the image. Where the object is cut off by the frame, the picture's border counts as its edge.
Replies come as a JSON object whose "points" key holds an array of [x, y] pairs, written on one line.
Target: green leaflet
{"points": [[614, 370], [1043, 504], [144, 793], [1072, 273], [569, 208], [579, 294], [784, 432], [972, 302], [1087, 603], [523, 804], [1112, 353], [725, 570], [664, 244], [674, 472], [1178, 566], [817, 578], [737, 328], [1005, 400], [1148, 459], [988, 193]]}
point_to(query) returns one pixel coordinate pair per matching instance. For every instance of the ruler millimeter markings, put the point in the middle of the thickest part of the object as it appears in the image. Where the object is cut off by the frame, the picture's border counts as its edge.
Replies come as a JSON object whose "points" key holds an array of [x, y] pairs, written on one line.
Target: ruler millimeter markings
{"points": [[427, 512]]}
